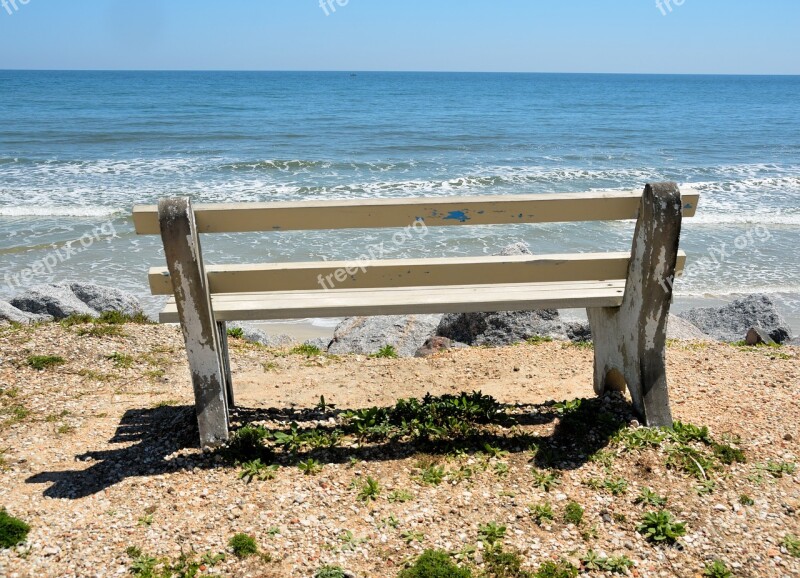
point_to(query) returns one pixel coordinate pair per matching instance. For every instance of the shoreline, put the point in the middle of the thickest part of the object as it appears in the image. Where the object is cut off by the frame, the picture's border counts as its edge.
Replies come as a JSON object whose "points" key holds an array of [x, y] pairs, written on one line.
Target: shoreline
{"points": [[310, 329]]}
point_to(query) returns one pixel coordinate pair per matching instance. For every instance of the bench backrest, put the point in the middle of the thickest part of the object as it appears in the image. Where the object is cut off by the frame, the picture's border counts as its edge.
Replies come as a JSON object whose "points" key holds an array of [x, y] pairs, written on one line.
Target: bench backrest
{"points": [[404, 213]]}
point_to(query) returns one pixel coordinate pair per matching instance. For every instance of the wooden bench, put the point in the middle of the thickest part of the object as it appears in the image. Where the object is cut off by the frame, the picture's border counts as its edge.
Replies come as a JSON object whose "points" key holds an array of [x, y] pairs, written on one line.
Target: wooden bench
{"points": [[627, 295]]}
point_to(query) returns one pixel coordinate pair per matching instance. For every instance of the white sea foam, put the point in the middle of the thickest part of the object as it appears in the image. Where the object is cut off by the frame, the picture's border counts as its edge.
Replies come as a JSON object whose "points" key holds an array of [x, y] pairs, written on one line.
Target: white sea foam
{"points": [[44, 211]]}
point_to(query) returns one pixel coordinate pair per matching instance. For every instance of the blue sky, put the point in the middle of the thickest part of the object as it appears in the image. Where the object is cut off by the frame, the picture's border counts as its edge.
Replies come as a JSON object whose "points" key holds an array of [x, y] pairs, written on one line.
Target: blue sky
{"points": [[696, 36]]}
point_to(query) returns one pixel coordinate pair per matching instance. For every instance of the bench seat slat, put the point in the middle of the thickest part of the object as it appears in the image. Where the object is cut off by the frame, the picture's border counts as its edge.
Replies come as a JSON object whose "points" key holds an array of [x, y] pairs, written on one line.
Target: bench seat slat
{"points": [[407, 272], [403, 212], [407, 300]]}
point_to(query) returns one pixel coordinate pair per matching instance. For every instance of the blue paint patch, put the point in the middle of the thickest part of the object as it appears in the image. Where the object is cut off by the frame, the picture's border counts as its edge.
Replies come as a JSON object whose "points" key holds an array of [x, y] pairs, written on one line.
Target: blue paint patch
{"points": [[687, 206], [520, 215], [456, 216], [419, 219]]}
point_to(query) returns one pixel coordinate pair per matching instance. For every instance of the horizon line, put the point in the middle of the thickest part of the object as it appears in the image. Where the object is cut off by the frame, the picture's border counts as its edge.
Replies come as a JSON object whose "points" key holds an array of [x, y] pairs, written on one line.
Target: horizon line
{"points": [[404, 71]]}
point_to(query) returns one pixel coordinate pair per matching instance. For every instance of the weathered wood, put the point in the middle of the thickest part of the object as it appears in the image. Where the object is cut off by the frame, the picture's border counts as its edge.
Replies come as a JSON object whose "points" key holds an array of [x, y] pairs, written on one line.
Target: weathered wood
{"points": [[407, 300], [330, 275], [630, 341], [193, 307], [433, 212]]}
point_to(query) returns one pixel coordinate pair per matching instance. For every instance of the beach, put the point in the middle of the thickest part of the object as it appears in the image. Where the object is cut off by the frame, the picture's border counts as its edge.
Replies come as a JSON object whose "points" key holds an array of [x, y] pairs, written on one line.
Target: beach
{"points": [[100, 458]]}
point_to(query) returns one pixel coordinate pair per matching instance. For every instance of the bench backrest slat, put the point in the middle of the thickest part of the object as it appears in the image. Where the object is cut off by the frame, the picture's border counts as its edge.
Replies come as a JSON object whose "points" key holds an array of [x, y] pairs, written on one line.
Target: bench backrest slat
{"points": [[434, 212], [355, 274]]}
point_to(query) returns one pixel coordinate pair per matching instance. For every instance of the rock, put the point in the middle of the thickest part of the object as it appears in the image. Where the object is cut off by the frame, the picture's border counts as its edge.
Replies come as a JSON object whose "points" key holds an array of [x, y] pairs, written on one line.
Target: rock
{"points": [[366, 335], [578, 331], [103, 299], [10, 313], [501, 328], [435, 344], [504, 327], [519, 248], [730, 322], [256, 335], [682, 330], [757, 336], [795, 341], [57, 301], [320, 342]]}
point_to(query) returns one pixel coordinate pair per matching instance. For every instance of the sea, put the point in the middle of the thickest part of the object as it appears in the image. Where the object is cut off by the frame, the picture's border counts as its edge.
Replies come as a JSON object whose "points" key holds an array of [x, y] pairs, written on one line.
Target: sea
{"points": [[79, 149]]}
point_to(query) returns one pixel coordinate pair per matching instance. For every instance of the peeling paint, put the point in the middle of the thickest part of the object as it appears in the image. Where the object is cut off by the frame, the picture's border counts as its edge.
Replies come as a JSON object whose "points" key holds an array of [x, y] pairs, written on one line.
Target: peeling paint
{"points": [[456, 216]]}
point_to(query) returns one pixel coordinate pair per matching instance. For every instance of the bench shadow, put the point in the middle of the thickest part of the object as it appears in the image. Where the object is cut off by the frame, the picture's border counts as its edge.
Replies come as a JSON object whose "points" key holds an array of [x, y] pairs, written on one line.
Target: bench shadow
{"points": [[150, 438], [146, 437]]}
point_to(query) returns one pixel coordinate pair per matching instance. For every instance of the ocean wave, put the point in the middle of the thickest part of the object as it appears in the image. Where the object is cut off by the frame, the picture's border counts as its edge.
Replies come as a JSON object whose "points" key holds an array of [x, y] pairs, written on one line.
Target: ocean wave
{"points": [[761, 218], [779, 290], [74, 211]]}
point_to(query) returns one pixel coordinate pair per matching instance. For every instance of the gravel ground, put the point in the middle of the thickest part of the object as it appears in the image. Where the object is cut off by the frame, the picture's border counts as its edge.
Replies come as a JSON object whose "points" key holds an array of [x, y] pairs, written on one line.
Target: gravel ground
{"points": [[99, 454]]}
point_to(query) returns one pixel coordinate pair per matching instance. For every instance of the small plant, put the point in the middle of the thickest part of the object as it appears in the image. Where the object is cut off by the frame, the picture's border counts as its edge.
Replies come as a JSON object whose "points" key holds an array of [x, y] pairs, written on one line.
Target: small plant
{"points": [[705, 487], [538, 339], [77, 319], [246, 444], [307, 349], [494, 452], [746, 500], [391, 522], [616, 564], [13, 531], [146, 520], [660, 528], [370, 490], [42, 362], [143, 566], [591, 533], [501, 564], [400, 496], [616, 486], [648, 497], [386, 352], [688, 459], [310, 467], [778, 469], [632, 439], [236, 332], [243, 545], [728, 454], [330, 572], [257, 470], [101, 331], [603, 457], [120, 359], [562, 569], [545, 480], [491, 533], [432, 475], [409, 536], [792, 545], [717, 569], [435, 564], [541, 513], [349, 540], [685, 433], [573, 513]]}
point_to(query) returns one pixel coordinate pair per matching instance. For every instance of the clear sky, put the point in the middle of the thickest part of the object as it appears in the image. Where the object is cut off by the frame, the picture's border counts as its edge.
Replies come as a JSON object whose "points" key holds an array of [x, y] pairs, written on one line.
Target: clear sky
{"points": [[682, 36]]}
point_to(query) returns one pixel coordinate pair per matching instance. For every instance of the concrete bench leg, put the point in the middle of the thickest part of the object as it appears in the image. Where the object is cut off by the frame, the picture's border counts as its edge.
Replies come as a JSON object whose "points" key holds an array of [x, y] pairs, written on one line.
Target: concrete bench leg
{"points": [[630, 341], [200, 332]]}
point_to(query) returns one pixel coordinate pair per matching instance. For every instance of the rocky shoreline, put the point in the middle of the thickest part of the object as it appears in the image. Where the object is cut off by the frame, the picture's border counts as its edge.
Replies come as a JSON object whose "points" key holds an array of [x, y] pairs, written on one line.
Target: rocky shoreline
{"points": [[753, 319]]}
